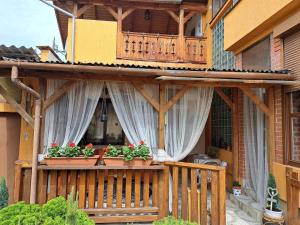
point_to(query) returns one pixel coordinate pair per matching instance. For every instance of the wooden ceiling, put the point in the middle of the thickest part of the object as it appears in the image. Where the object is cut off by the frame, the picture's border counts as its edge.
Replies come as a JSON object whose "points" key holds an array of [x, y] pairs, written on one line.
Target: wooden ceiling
{"points": [[160, 21]]}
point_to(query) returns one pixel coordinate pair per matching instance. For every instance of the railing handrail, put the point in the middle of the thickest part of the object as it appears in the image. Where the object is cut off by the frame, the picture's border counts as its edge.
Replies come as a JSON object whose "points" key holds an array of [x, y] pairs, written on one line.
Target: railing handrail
{"points": [[140, 34], [196, 166], [102, 167]]}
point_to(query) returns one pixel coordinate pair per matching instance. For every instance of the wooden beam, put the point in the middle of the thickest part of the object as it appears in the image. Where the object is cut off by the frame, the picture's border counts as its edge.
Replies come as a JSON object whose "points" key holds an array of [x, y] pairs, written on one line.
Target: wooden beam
{"points": [[112, 12], [146, 95], [119, 32], [127, 13], [173, 15], [249, 93], [271, 128], [16, 106], [181, 35], [235, 135], [176, 97], [221, 13], [161, 118], [189, 16], [225, 98], [82, 10], [58, 94]]}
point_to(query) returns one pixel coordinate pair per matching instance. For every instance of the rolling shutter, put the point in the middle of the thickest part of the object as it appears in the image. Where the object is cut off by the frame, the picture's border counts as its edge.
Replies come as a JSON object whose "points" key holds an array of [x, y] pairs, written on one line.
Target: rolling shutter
{"points": [[292, 57]]}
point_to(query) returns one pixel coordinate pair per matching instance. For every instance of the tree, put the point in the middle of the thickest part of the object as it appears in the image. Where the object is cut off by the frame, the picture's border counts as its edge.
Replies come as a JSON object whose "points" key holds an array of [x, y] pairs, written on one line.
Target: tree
{"points": [[3, 193]]}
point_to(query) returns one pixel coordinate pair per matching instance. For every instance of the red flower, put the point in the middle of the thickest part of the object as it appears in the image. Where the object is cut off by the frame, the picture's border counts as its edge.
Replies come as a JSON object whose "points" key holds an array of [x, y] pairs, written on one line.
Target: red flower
{"points": [[142, 142], [53, 145], [131, 146], [105, 149], [90, 145], [72, 145]]}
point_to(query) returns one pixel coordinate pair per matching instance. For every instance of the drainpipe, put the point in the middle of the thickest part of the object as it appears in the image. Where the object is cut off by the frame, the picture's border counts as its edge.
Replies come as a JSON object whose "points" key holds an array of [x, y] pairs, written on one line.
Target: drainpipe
{"points": [[36, 130], [73, 24]]}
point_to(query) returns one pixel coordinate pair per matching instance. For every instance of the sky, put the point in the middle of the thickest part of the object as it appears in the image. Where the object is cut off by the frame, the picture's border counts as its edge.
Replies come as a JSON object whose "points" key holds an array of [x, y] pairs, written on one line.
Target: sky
{"points": [[28, 23]]}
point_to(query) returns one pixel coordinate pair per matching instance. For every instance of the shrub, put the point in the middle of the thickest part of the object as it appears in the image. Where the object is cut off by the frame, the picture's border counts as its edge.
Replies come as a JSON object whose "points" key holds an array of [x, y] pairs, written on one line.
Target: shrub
{"points": [[272, 184], [54, 212], [172, 221], [3, 193]]}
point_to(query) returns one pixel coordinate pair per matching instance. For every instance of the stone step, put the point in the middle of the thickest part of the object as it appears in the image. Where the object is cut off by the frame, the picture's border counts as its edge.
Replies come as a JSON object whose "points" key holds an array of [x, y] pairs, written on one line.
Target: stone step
{"points": [[246, 204]]}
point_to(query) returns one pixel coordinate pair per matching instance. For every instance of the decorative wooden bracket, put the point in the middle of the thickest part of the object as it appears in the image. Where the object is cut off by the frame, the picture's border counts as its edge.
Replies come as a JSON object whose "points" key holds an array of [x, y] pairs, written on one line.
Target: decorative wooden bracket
{"points": [[58, 94], [146, 95], [186, 18], [112, 12], [127, 13], [16, 106], [189, 16], [82, 10], [225, 98], [173, 15], [248, 92], [176, 97]]}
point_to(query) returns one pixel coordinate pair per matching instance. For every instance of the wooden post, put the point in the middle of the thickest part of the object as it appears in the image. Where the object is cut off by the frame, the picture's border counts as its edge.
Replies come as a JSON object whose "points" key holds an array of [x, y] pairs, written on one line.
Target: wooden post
{"points": [[181, 35], [235, 136], [161, 125], [36, 136], [18, 183], [271, 128], [119, 32]]}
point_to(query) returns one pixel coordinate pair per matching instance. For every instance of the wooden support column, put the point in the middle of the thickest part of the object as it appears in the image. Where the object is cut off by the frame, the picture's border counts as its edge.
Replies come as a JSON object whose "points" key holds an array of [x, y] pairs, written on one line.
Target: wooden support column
{"points": [[181, 35], [271, 128], [161, 119], [235, 136], [119, 32]]}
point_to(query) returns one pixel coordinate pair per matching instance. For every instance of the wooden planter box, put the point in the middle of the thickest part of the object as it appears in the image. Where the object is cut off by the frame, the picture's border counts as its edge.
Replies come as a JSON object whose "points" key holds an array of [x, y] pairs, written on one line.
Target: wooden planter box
{"points": [[119, 161], [75, 161]]}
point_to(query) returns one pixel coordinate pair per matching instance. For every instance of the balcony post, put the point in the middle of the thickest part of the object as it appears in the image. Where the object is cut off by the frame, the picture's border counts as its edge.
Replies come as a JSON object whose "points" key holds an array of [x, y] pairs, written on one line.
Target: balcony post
{"points": [[161, 118], [181, 35], [119, 32]]}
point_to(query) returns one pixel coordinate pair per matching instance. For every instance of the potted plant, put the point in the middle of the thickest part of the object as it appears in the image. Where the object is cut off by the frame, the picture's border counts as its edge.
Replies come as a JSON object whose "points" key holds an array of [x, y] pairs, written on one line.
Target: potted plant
{"points": [[272, 209], [127, 155], [71, 155], [236, 188]]}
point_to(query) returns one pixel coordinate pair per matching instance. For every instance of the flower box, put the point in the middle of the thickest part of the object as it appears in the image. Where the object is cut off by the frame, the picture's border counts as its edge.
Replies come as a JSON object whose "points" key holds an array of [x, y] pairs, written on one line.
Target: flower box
{"points": [[72, 161], [119, 161]]}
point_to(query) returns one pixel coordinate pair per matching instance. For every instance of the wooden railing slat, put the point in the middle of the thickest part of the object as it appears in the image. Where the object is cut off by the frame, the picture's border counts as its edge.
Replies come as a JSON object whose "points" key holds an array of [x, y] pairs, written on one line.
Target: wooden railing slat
{"points": [[194, 203], [155, 189], [128, 188], [53, 185], [42, 187], [119, 188], [110, 188], [222, 198], [100, 188], [91, 182], [137, 188], [82, 189], [73, 182], [203, 197], [62, 186], [214, 198], [175, 192], [184, 194], [146, 188]]}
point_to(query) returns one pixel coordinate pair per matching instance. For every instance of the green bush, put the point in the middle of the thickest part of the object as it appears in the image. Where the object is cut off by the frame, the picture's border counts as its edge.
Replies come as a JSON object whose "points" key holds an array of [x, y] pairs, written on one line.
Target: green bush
{"points": [[172, 221], [3, 193], [54, 212]]}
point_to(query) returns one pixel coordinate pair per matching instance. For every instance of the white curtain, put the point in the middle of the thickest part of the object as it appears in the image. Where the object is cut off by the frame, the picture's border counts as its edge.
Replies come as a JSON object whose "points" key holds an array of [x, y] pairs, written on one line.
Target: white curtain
{"points": [[255, 147], [69, 117], [185, 120], [138, 118]]}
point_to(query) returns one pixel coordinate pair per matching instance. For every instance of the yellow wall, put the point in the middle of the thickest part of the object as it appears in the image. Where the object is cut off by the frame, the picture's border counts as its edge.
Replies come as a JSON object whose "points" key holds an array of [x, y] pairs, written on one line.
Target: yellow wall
{"points": [[95, 41], [251, 20]]}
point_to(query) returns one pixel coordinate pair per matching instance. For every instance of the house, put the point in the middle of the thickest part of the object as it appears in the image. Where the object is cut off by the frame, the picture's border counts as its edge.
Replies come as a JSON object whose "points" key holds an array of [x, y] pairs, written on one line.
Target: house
{"points": [[160, 71]]}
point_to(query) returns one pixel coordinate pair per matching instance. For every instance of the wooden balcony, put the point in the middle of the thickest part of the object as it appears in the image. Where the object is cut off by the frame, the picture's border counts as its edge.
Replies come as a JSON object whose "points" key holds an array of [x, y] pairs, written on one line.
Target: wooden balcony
{"points": [[161, 48]]}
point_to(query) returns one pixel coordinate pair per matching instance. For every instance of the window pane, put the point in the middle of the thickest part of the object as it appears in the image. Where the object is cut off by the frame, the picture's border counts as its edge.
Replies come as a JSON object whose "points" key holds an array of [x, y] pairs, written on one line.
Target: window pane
{"points": [[295, 101], [295, 150]]}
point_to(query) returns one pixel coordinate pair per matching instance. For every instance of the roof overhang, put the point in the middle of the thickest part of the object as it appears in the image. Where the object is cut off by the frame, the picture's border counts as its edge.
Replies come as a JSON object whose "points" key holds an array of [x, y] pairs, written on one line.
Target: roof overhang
{"points": [[123, 72]]}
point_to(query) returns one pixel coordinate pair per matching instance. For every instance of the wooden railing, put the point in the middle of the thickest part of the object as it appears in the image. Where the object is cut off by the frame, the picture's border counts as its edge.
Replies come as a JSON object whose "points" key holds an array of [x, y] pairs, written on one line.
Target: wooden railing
{"points": [[292, 190], [134, 194], [190, 187], [165, 48]]}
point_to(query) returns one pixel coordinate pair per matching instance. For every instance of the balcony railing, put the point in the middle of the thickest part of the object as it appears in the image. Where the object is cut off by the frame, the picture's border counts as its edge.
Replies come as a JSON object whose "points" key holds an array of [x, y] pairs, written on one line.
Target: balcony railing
{"points": [[161, 48]]}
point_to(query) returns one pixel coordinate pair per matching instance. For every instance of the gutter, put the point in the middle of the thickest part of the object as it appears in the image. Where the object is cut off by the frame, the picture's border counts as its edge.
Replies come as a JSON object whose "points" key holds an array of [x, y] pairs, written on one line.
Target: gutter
{"points": [[36, 130], [73, 24]]}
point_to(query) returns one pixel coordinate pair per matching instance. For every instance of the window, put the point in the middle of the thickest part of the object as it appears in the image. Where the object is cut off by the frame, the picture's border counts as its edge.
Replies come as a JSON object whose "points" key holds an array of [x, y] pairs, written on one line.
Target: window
{"points": [[294, 127], [217, 5]]}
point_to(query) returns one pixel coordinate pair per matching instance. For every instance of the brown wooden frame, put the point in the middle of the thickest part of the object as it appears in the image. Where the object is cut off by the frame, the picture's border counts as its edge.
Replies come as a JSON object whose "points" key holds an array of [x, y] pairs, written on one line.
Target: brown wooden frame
{"points": [[288, 128]]}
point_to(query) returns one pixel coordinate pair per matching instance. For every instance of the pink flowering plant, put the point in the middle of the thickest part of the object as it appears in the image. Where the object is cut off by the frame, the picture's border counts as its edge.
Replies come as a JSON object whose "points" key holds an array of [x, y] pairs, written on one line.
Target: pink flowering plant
{"points": [[54, 150], [71, 150], [129, 152], [88, 151]]}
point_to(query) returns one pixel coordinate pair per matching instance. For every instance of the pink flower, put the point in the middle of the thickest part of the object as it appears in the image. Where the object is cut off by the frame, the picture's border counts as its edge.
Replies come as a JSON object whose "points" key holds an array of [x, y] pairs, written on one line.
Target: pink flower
{"points": [[142, 142], [131, 146], [53, 145], [90, 145], [72, 145]]}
